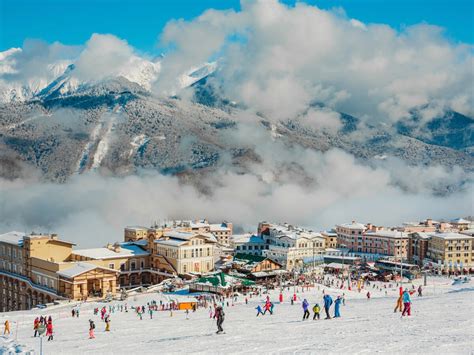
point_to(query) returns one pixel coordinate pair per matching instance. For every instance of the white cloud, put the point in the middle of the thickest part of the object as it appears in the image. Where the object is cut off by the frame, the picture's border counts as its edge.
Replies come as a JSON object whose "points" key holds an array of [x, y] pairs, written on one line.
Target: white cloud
{"points": [[284, 55]]}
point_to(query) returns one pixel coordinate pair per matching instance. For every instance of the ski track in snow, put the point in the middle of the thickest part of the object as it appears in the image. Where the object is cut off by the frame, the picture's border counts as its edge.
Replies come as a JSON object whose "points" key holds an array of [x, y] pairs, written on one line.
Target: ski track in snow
{"points": [[440, 323]]}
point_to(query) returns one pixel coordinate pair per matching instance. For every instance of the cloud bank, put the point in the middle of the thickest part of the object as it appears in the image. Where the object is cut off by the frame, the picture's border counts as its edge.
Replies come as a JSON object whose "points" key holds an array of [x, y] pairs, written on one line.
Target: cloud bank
{"points": [[289, 184]]}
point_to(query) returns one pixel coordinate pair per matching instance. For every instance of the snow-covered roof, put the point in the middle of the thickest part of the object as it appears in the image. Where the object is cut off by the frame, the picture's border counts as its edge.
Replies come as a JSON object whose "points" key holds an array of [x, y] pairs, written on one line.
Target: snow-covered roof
{"points": [[79, 268], [386, 234], [247, 238], [468, 232], [135, 228], [329, 233], [450, 236], [423, 235], [352, 225], [126, 250], [171, 242], [15, 238], [219, 227], [460, 221]]}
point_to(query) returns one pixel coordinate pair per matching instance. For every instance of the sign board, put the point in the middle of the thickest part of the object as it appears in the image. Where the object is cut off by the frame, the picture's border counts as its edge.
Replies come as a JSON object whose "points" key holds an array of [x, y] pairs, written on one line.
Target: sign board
{"points": [[41, 329]]}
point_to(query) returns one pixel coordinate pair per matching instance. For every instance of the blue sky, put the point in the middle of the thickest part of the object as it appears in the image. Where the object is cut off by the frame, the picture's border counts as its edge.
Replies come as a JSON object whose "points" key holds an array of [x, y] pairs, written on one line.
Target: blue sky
{"points": [[141, 21]]}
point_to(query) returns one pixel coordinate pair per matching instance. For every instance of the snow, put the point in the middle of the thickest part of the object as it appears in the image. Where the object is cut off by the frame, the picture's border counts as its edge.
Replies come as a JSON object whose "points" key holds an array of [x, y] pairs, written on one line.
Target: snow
{"points": [[15, 238], [77, 269], [441, 322], [126, 250], [387, 234], [451, 236]]}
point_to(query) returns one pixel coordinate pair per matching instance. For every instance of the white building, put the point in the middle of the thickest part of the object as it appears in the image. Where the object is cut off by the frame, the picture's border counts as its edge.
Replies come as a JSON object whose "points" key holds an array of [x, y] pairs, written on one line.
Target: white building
{"points": [[292, 246], [248, 244]]}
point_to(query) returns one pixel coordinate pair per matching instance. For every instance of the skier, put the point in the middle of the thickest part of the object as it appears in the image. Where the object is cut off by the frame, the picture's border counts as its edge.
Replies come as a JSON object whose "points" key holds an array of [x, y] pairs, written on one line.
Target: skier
{"points": [[36, 323], [220, 319], [305, 309], [259, 311], [316, 310], [281, 297], [399, 300], [6, 329], [107, 323], [337, 305], [406, 303], [77, 313], [151, 313], [420, 291], [271, 307], [91, 329], [267, 307], [73, 312], [368, 295], [327, 304], [49, 330]]}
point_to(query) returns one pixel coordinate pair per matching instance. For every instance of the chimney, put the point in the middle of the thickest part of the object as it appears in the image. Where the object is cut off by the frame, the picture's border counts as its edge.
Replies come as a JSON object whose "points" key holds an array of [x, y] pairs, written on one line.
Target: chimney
{"points": [[116, 247]]}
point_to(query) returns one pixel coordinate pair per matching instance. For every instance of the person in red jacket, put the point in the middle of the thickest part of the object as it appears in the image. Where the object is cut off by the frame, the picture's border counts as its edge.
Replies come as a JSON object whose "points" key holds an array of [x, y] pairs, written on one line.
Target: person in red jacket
{"points": [[49, 330], [281, 297], [36, 325]]}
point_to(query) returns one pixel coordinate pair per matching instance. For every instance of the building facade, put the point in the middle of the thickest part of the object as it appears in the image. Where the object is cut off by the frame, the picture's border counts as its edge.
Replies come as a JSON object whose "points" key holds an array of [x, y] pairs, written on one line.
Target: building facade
{"points": [[452, 250]]}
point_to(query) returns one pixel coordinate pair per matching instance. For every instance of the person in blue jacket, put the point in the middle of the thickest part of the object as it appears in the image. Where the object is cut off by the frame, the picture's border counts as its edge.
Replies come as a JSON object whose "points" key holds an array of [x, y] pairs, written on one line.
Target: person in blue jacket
{"points": [[327, 304], [406, 303], [305, 309], [259, 310], [337, 305]]}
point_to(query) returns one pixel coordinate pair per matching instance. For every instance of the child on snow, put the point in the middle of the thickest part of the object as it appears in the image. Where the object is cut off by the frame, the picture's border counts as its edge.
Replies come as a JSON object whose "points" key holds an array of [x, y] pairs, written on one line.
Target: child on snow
{"points": [[316, 310], [259, 310], [91, 329]]}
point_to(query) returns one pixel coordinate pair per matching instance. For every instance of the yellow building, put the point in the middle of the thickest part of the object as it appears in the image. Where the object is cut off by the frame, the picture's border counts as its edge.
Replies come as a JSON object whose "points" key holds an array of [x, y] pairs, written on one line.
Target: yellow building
{"points": [[453, 250], [130, 259], [184, 252], [330, 238]]}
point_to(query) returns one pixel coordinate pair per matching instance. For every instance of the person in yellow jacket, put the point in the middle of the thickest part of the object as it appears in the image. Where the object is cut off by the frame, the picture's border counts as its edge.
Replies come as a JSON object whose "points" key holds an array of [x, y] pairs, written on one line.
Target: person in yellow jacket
{"points": [[399, 305], [107, 324], [6, 330], [316, 310]]}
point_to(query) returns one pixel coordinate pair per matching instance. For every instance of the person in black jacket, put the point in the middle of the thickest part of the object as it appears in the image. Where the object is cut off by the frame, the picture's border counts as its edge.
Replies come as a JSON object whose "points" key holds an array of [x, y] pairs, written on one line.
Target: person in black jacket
{"points": [[219, 315]]}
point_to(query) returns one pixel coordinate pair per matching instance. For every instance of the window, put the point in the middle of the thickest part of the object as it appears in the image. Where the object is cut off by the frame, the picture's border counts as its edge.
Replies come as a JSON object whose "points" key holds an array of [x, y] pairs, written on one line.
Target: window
{"points": [[185, 268], [133, 266], [38, 279], [111, 266], [14, 253], [122, 267], [142, 264], [51, 283]]}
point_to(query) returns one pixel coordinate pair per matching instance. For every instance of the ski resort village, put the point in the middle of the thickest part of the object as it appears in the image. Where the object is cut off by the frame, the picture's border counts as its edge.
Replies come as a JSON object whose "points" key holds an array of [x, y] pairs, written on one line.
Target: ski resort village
{"points": [[170, 286]]}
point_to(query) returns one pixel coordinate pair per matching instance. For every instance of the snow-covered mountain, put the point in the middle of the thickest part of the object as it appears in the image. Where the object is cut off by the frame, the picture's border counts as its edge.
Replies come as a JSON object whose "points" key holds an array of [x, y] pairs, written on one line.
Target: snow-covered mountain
{"points": [[60, 78], [62, 125]]}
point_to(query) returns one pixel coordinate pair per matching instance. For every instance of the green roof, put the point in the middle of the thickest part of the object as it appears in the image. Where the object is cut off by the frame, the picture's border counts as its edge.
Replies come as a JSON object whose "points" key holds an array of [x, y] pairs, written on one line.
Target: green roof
{"points": [[249, 257]]}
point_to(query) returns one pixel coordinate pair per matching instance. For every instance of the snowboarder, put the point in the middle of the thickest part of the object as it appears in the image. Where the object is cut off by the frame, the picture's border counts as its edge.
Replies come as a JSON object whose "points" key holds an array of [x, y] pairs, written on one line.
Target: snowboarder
{"points": [[6, 329], [327, 305], [337, 305], [316, 310], [220, 319], [49, 330], [406, 303], [91, 329], [305, 309]]}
